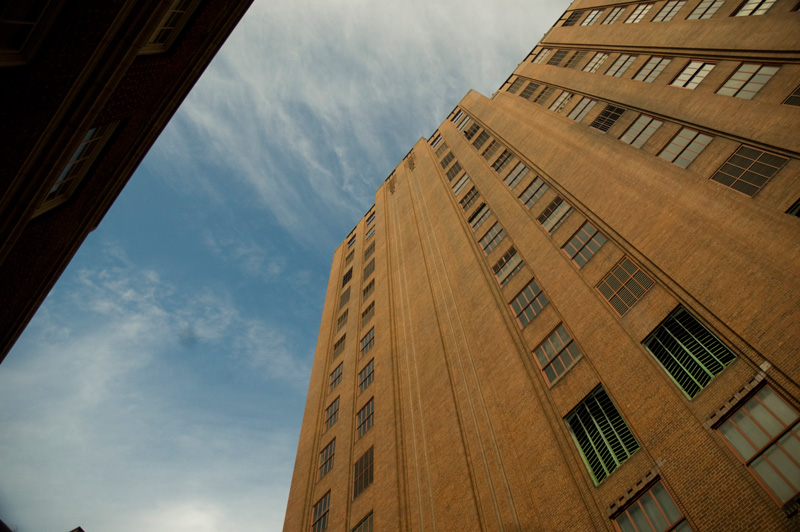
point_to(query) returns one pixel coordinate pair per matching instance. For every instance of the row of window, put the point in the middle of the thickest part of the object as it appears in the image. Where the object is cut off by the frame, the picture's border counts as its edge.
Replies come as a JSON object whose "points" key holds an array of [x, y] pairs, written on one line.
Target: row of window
{"points": [[319, 517], [747, 170], [704, 10]]}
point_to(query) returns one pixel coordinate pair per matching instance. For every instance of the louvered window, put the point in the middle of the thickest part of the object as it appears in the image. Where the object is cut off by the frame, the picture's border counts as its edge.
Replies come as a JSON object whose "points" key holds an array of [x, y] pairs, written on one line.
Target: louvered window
{"points": [[607, 117]]}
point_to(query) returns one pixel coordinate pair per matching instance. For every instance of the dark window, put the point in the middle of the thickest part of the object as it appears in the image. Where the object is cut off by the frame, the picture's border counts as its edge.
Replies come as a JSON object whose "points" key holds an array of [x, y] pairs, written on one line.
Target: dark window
{"points": [[489, 152], [573, 18], [338, 347], [607, 117], [555, 214], [364, 419], [558, 57], [320, 517], [469, 198], [447, 160], [508, 266], [470, 132], [793, 98], [344, 298], [336, 377], [794, 210], [369, 251], [367, 314], [481, 140], [529, 90], [575, 60], [749, 169], [342, 321], [516, 86], [362, 474], [368, 341], [331, 413], [349, 257], [454, 170], [368, 290], [479, 216], [368, 269], [503, 161], [326, 458], [347, 276], [624, 285], [365, 525], [366, 376], [544, 95]]}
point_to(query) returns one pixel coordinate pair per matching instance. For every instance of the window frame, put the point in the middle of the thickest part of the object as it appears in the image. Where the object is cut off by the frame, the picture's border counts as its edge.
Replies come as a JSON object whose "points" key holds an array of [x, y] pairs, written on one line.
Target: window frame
{"points": [[331, 413], [508, 266], [532, 298], [690, 146], [365, 418], [647, 489], [702, 10], [623, 282], [319, 515], [701, 71], [638, 13], [550, 362], [493, 239], [363, 474], [744, 91], [366, 376], [367, 341], [554, 215], [754, 11], [588, 243], [581, 109], [536, 195], [652, 72], [669, 10], [736, 184], [326, 459], [641, 130]]}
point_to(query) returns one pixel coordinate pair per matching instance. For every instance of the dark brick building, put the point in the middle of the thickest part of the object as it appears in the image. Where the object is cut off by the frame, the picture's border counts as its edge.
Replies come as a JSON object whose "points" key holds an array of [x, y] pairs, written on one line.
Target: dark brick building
{"points": [[86, 88], [576, 306]]}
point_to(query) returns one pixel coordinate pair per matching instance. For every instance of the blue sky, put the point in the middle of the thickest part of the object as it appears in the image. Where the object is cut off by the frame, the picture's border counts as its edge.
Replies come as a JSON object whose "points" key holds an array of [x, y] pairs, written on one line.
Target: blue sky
{"points": [[161, 385]]}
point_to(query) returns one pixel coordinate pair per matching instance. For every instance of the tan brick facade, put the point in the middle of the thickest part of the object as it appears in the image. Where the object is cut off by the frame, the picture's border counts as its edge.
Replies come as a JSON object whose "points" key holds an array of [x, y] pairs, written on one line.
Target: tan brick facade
{"points": [[471, 429]]}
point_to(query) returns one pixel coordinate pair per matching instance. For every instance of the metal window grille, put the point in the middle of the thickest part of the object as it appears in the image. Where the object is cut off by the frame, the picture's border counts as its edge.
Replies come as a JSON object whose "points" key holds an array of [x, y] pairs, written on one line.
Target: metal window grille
{"points": [[624, 285], [607, 117], [556, 355], [362, 474], [561, 102], [580, 111], [604, 439], [754, 7], [748, 80], [492, 238], [613, 16], [692, 74], [326, 458], [555, 214], [479, 216], [592, 17], [332, 413], [368, 341], [503, 161], [620, 65], [595, 62], [338, 347], [652, 510], [364, 419], [690, 353], [453, 171], [685, 147], [533, 192], [650, 71], [764, 433], [584, 244], [705, 9], [638, 13], [528, 91], [749, 169], [508, 266], [366, 376], [669, 10], [516, 175], [528, 303], [470, 198], [641, 130], [320, 515], [336, 377]]}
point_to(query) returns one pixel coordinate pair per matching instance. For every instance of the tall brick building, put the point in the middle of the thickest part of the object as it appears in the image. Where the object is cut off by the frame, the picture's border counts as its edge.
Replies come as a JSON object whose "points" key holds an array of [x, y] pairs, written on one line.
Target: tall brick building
{"points": [[576, 306], [87, 87]]}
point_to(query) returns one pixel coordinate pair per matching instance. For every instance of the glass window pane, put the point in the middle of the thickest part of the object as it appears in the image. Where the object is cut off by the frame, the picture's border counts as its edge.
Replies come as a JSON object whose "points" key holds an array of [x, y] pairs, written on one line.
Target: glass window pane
{"points": [[771, 478], [665, 501], [738, 441], [639, 519], [778, 406], [651, 509]]}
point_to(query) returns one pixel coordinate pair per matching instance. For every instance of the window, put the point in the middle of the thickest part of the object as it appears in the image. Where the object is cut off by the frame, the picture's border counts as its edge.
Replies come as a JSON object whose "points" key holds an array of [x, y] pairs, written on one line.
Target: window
{"points": [[362, 474], [458, 115], [441, 150], [491, 150], [613, 16], [794, 210], [533, 192], [364, 419], [529, 90], [638, 13], [515, 86], [369, 268], [544, 95], [641, 130], [560, 102], [436, 141], [693, 74], [603, 437], [557, 354], [541, 56], [618, 68], [624, 285], [582, 109], [369, 251], [595, 62], [344, 298], [368, 290], [470, 198], [366, 375], [370, 233], [481, 140], [516, 175], [464, 124], [454, 170], [447, 160], [78, 166], [690, 353], [338, 347], [584, 244], [754, 7], [607, 117], [558, 57], [492, 238], [342, 321], [320, 517], [347, 276], [793, 98], [555, 214], [503, 161], [576, 58], [368, 341], [349, 257], [351, 242], [685, 147], [336, 377], [748, 170], [326, 458], [461, 184], [471, 131], [23, 25], [479, 216], [507, 267], [365, 525], [764, 433], [528, 303], [367, 314], [669, 10], [705, 9], [652, 511], [748, 80], [371, 218], [332, 413], [650, 71], [592, 17], [170, 26], [573, 18]]}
